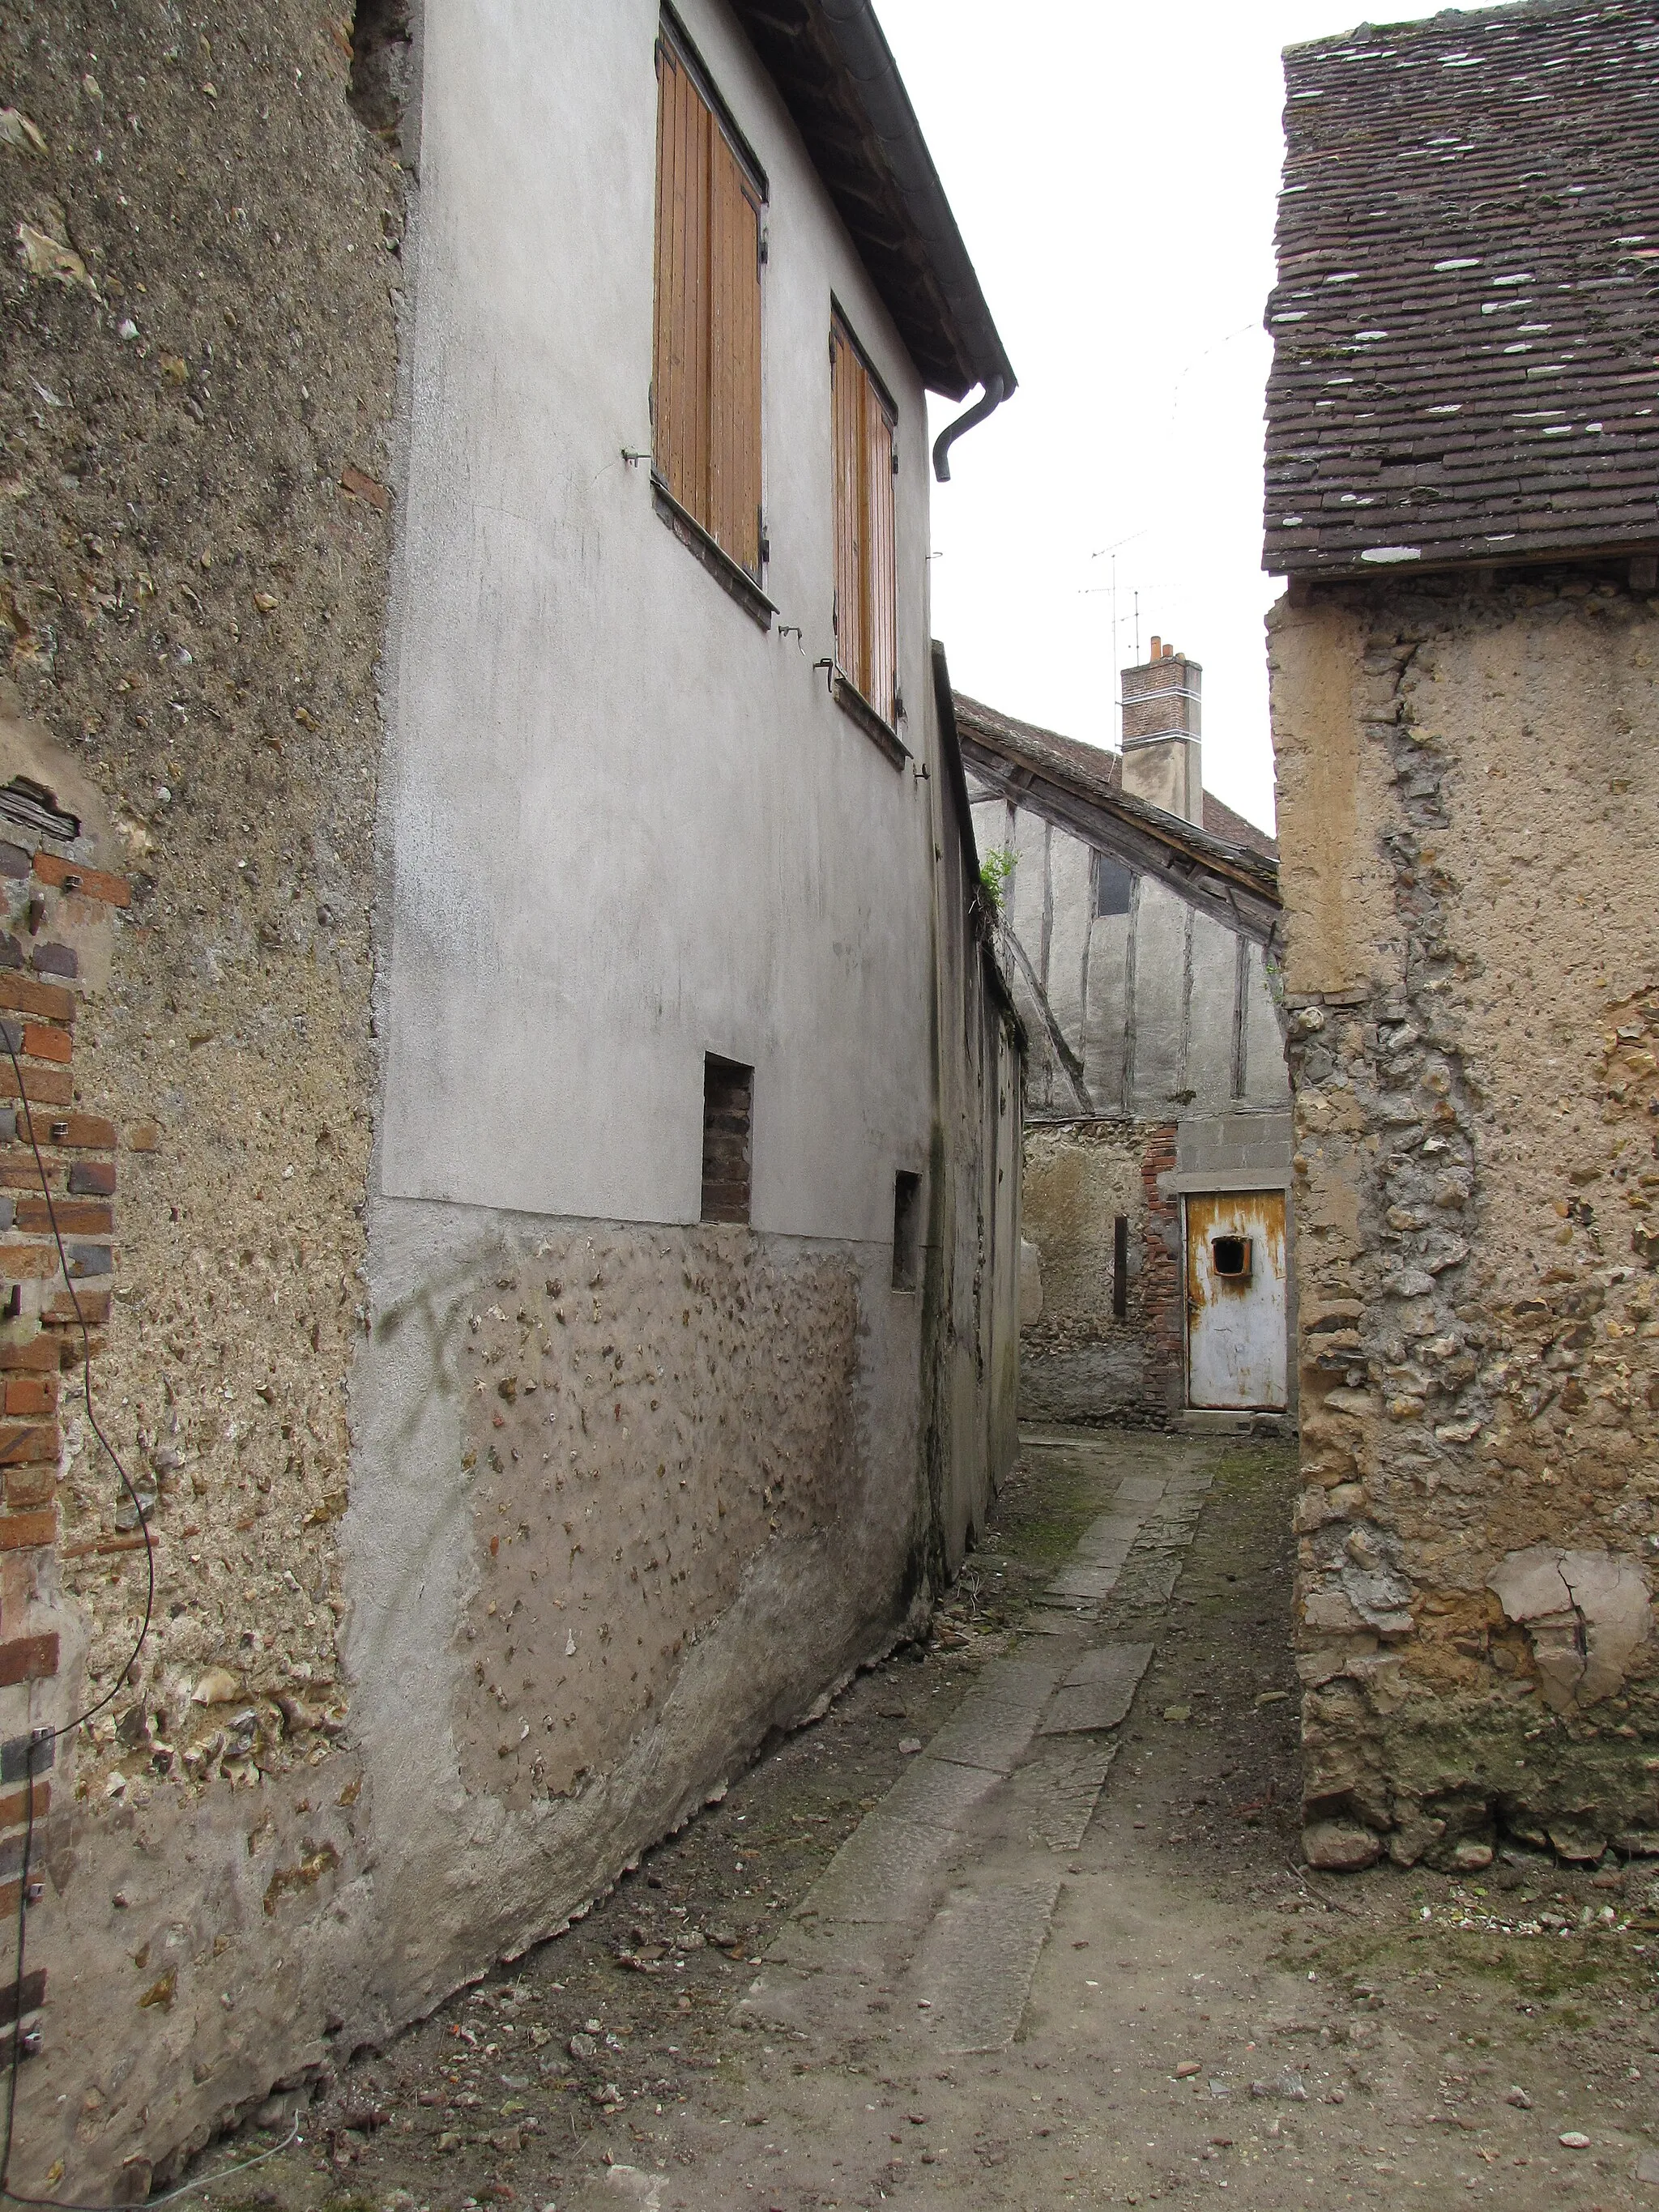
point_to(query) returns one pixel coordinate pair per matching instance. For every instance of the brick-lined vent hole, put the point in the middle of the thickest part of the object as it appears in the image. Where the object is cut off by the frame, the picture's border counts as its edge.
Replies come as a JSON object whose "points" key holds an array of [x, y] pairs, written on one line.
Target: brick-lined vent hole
{"points": [[728, 1098], [907, 1230]]}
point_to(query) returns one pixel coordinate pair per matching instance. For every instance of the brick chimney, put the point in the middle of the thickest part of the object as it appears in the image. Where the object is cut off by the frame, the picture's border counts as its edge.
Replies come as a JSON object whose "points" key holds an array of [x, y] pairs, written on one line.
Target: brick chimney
{"points": [[1162, 749]]}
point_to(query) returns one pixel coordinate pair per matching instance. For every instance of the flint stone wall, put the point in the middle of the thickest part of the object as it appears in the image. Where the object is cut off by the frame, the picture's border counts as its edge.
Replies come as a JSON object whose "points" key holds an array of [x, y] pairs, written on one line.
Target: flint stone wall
{"points": [[1468, 802]]}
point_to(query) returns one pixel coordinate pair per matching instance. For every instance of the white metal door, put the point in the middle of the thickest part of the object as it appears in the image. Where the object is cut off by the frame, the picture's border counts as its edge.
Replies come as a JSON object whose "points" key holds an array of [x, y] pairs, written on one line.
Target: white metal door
{"points": [[1237, 1352]]}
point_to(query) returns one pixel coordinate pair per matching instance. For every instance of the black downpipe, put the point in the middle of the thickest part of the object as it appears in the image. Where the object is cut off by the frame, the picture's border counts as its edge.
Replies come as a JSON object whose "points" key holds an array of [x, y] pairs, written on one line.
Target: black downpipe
{"points": [[987, 403]]}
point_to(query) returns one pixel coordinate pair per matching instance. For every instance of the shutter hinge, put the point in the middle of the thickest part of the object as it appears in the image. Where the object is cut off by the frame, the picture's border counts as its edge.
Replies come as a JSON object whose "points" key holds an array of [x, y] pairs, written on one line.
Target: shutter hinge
{"points": [[765, 542], [895, 457], [832, 349], [764, 244]]}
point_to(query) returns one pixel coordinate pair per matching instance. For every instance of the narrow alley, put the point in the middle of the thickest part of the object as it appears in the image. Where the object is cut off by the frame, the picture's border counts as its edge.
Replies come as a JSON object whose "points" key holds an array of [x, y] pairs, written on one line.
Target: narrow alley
{"points": [[1021, 1921]]}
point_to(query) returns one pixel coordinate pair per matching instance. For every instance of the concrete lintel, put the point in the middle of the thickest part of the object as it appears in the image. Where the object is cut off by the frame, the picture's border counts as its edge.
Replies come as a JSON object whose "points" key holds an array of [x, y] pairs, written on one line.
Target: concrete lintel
{"points": [[1177, 1183]]}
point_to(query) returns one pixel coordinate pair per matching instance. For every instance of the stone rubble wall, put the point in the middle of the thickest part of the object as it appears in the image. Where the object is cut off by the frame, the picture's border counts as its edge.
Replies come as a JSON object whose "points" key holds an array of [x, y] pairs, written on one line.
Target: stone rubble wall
{"points": [[200, 263], [1468, 799], [1079, 1361]]}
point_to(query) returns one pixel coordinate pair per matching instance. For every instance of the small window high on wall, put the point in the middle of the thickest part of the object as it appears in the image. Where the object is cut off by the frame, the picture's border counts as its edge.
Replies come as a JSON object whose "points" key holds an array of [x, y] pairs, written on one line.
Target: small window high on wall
{"points": [[907, 1230], [705, 378], [728, 1107], [866, 567], [1113, 885]]}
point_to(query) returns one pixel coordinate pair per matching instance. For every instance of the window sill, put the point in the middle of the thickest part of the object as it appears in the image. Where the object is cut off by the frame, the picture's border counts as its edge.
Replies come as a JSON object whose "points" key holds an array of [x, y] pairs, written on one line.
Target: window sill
{"points": [[852, 702], [728, 574]]}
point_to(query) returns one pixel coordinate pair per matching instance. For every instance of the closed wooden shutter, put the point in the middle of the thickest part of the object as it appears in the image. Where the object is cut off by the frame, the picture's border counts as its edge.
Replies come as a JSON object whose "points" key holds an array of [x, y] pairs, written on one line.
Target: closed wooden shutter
{"points": [[706, 385], [880, 567], [867, 568], [846, 394]]}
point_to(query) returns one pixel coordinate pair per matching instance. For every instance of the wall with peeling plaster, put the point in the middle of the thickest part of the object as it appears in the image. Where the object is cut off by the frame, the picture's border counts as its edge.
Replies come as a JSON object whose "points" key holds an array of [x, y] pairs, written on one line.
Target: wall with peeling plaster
{"points": [[1468, 797]]}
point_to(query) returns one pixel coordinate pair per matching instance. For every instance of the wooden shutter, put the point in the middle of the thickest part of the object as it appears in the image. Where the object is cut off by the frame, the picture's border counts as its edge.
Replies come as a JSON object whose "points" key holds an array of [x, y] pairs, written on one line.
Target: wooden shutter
{"points": [[880, 567], [846, 386], [706, 387], [680, 385], [866, 572], [734, 457]]}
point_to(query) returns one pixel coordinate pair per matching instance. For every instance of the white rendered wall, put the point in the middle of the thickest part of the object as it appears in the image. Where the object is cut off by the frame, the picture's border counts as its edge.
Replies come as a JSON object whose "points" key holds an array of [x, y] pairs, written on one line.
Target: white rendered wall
{"points": [[627, 827]]}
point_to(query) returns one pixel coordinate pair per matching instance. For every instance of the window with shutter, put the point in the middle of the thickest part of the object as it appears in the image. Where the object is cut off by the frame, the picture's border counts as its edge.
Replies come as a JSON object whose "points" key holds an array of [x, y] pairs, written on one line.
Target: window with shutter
{"points": [[867, 574], [705, 381]]}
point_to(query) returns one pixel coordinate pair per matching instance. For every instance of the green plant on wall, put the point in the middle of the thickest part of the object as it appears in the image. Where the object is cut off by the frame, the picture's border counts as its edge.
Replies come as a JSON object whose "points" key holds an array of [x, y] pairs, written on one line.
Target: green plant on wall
{"points": [[995, 870]]}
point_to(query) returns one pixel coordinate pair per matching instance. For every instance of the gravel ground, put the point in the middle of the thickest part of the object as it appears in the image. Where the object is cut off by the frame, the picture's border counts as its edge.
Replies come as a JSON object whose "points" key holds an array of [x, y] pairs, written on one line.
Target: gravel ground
{"points": [[1207, 2015]]}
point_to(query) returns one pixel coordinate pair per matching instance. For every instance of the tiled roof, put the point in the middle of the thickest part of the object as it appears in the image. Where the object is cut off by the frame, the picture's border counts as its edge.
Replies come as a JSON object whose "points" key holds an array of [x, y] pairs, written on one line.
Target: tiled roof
{"points": [[1466, 328], [1101, 770]]}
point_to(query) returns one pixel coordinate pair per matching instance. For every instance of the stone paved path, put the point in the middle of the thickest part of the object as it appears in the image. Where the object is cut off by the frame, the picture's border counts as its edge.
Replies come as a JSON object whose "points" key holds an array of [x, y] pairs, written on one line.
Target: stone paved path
{"points": [[939, 1904]]}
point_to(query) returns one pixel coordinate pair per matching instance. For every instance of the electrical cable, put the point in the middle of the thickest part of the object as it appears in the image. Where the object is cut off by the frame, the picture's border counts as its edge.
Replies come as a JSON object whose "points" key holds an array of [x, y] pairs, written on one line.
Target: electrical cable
{"points": [[202, 2181], [36, 1740]]}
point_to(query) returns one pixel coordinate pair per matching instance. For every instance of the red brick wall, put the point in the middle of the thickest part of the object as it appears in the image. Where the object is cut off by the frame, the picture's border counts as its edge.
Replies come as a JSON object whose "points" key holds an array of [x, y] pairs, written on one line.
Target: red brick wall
{"points": [[50, 909], [1161, 1291]]}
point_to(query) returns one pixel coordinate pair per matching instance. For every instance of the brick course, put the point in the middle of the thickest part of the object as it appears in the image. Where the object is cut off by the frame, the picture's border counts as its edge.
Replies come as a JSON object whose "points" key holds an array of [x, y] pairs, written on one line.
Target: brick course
{"points": [[1162, 1292], [89, 883], [39, 1328], [27, 1659], [31, 1393]]}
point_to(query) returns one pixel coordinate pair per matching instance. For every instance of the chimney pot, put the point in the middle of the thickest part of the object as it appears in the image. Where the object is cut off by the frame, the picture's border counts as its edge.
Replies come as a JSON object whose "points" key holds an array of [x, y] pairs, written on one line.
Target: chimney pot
{"points": [[1158, 648]]}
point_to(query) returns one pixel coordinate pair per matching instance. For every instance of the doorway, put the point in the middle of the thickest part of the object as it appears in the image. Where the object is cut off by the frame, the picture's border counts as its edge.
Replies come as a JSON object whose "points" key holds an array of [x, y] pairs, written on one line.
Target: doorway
{"points": [[1238, 1358]]}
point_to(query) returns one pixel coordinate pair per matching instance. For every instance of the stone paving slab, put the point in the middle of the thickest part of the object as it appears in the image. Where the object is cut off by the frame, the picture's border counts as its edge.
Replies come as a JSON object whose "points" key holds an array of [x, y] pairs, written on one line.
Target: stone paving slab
{"points": [[986, 1735], [1100, 1690], [873, 1952], [975, 1967], [887, 1870], [1153, 1585], [939, 1793], [1019, 1681], [1141, 1489], [1092, 1584], [1109, 1538], [1050, 1799]]}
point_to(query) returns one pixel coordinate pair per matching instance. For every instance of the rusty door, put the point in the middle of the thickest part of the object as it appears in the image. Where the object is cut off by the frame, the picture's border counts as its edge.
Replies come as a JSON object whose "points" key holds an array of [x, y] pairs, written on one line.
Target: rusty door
{"points": [[1237, 1350]]}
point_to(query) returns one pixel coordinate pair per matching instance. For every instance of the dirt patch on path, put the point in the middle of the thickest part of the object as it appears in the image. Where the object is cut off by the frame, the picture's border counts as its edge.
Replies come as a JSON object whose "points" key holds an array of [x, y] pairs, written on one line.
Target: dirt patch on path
{"points": [[1204, 2015]]}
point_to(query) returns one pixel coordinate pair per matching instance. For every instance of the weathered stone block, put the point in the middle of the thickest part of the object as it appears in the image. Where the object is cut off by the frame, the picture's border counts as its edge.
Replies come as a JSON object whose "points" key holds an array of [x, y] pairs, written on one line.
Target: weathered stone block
{"points": [[1341, 1846]]}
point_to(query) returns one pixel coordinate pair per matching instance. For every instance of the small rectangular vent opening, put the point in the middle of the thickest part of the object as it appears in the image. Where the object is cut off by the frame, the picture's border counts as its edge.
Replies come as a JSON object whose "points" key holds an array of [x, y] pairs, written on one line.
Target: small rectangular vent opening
{"points": [[1230, 1257], [1120, 1266], [728, 1099], [907, 1230]]}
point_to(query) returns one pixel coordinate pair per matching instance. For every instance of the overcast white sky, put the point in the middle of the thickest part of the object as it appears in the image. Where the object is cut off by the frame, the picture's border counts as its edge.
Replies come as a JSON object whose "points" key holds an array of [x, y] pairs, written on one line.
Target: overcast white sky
{"points": [[1114, 169]]}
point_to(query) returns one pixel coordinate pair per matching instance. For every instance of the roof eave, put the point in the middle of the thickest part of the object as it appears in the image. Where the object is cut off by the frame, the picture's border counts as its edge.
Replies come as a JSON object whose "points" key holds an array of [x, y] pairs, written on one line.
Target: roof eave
{"points": [[1239, 886], [1348, 567], [833, 68]]}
